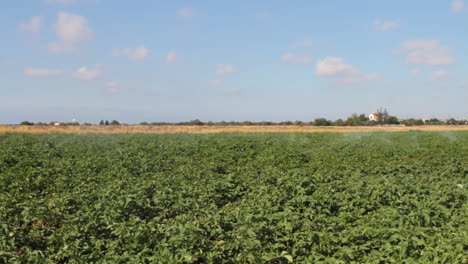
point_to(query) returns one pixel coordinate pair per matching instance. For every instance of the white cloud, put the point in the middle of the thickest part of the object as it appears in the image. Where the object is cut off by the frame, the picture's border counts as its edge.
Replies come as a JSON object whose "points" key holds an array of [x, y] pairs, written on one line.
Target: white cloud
{"points": [[387, 25], [216, 82], [331, 66], [427, 52], [438, 75], [263, 15], [70, 29], [87, 74], [62, 2], [297, 59], [341, 72], [458, 5], [225, 69], [34, 25], [185, 13], [139, 53], [415, 72], [41, 72], [171, 57]]}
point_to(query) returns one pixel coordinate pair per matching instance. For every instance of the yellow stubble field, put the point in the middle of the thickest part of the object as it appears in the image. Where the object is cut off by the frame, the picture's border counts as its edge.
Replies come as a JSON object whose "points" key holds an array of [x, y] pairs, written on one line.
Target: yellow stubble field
{"points": [[127, 129]]}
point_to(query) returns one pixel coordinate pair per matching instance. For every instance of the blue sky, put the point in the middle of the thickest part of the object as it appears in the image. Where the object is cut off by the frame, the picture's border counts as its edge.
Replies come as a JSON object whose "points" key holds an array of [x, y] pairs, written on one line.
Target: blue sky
{"points": [[231, 60]]}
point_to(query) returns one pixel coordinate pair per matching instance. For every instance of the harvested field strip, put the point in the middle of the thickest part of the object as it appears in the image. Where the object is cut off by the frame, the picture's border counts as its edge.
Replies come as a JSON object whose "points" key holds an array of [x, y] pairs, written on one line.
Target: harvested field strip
{"points": [[127, 129]]}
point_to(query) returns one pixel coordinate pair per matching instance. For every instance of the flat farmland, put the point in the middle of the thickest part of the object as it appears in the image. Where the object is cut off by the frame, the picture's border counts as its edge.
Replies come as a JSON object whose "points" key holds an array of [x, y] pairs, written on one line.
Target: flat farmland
{"points": [[358, 197]]}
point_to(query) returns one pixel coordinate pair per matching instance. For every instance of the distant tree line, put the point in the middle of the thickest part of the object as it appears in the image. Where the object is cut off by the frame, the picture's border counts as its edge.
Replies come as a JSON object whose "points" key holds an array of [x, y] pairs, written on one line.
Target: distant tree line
{"points": [[383, 118], [354, 120], [28, 123], [107, 123], [102, 122]]}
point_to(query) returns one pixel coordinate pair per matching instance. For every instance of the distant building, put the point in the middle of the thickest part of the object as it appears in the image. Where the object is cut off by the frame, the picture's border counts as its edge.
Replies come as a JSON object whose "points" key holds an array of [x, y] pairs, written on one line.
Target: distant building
{"points": [[57, 124], [375, 117], [426, 119]]}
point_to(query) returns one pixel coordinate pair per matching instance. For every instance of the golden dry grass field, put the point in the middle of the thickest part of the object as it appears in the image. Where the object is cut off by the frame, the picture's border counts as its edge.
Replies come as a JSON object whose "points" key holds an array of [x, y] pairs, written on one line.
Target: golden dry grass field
{"points": [[126, 129]]}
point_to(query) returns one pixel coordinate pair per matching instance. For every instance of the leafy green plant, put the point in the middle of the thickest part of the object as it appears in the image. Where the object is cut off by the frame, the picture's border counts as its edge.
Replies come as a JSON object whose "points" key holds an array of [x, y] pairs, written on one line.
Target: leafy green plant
{"points": [[234, 198]]}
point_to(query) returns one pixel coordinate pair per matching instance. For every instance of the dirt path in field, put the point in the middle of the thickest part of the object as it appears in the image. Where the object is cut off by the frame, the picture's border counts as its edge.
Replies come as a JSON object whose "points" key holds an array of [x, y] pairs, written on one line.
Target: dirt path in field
{"points": [[125, 129]]}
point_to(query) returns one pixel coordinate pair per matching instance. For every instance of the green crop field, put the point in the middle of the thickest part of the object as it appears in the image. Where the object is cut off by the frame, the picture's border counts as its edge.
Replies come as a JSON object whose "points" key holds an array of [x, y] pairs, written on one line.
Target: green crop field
{"points": [[235, 198]]}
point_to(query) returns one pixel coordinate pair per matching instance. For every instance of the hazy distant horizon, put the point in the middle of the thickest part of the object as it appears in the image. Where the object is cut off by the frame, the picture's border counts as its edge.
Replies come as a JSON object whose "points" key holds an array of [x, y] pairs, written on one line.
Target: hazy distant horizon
{"points": [[161, 61], [76, 118]]}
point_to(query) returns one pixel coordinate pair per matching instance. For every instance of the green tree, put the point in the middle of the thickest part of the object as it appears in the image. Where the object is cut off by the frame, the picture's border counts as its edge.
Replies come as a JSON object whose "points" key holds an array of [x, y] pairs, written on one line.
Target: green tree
{"points": [[363, 119], [196, 122], [101, 123], [106, 123], [392, 120], [356, 120], [338, 122], [433, 121], [412, 122], [27, 123], [114, 122], [321, 122], [298, 123], [382, 115], [453, 121], [286, 123]]}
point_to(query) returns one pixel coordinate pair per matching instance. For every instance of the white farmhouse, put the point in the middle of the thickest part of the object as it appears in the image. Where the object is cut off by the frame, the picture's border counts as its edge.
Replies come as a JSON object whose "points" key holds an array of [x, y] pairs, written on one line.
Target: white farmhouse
{"points": [[375, 117]]}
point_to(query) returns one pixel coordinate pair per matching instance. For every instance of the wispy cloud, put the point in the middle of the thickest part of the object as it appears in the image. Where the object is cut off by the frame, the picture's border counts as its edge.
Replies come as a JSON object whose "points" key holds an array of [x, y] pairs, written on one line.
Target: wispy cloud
{"points": [[341, 72], [223, 69], [457, 5], [185, 13], [34, 25], [171, 57], [70, 30], [387, 25], [82, 73], [291, 55], [438, 75], [304, 43], [216, 82], [41, 72], [296, 59], [87, 74], [427, 52], [139, 53]]}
